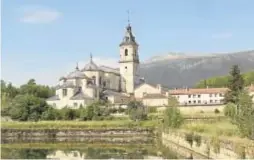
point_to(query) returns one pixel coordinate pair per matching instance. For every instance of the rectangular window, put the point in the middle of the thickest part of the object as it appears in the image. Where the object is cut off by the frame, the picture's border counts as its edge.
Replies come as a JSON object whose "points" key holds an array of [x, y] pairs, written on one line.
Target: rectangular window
{"points": [[194, 102], [75, 104], [221, 95], [199, 96], [215, 95], [189, 102], [194, 96], [189, 96], [64, 92], [215, 101], [211, 101], [211, 95], [199, 101]]}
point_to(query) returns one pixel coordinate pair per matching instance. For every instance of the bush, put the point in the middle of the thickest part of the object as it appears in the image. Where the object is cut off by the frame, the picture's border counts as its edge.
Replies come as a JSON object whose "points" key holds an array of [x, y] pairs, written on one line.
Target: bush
{"points": [[51, 114], [121, 110], [136, 110], [216, 111], [173, 117], [68, 114], [230, 110]]}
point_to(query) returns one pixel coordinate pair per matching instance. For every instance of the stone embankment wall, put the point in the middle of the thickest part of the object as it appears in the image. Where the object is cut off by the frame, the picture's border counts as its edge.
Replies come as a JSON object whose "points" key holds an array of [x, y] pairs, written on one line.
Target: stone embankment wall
{"points": [[203, 146], [90, 135]]}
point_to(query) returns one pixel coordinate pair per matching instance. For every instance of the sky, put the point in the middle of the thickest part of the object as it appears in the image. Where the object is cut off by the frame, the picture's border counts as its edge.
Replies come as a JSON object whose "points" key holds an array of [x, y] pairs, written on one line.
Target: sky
{"points": [[44, 39]]}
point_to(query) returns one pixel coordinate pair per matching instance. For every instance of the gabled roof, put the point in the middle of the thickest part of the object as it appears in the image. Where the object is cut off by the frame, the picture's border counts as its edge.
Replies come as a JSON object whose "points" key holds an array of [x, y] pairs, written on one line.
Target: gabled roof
{"points": [[113, 93], [80, 96], [66, 84], [109, 69], [53, 98]]}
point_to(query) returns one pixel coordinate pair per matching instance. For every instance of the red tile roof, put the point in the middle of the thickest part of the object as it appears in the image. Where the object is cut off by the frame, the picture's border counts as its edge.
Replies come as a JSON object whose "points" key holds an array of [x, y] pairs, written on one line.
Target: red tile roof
{"points": [[197, 91]]}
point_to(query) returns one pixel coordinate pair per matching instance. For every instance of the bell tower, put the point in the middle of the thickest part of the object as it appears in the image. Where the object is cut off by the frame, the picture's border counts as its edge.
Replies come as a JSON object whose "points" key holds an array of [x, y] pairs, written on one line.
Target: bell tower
{"points": [[129, 60]]}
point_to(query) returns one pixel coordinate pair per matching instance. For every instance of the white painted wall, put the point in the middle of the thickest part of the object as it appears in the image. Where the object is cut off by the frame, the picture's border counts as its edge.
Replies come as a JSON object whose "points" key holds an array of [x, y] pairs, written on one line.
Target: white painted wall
{"points": [[198, 99], [145, 88]]}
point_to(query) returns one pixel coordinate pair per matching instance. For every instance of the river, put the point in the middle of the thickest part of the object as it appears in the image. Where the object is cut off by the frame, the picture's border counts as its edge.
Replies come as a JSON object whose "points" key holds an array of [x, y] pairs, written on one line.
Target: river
{"points": [[82, 150]]}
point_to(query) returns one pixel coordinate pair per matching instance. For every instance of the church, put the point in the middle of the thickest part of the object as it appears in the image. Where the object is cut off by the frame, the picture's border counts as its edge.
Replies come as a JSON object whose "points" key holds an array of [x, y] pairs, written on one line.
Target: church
{"points": [[90, 83]]}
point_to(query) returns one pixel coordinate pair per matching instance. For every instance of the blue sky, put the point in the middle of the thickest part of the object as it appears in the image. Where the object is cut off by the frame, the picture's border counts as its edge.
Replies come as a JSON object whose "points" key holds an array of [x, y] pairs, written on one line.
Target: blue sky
{"points": [[44, 39]]}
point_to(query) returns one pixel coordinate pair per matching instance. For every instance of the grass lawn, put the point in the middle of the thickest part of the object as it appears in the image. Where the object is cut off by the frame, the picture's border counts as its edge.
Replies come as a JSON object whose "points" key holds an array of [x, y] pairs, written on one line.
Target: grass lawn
{"points": [[79, 124], [222, 128]]}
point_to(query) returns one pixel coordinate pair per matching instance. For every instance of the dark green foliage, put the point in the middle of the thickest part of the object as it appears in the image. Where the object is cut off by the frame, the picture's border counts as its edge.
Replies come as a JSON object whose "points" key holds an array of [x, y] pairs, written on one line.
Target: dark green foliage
{"points": [[137, 111], [197, 139], [216, 111], [235, 85], [68, 113], [51, 114], [223, 81], [245, 115], [121, 110], [94, 112], [37, 90], [27, 107], [9, 94], [189, 138]]}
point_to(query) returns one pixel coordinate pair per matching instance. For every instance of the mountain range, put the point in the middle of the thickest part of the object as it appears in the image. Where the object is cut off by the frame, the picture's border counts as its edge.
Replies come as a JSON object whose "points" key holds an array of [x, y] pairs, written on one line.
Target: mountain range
{"points": [[185, 70]]}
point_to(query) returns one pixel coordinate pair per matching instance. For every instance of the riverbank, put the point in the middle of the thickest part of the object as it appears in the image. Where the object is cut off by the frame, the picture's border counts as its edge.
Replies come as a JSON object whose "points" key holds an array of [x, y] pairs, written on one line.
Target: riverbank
{"points": [[79, 124], [199, 140]]}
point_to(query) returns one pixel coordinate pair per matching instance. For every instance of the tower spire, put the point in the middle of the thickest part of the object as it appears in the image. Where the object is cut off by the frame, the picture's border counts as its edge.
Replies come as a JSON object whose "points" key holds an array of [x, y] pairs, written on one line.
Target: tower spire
{"points": [[91, 57], [77, 66], [128, 12]]}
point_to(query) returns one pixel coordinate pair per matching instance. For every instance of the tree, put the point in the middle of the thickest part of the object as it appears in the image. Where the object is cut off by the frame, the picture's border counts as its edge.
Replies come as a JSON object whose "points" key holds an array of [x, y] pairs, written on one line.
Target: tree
{"points": [[172, 102], [37, 90], [172, 116], [230, 111], [136, 110], [245, 115], [27, 107], [236, 85]]}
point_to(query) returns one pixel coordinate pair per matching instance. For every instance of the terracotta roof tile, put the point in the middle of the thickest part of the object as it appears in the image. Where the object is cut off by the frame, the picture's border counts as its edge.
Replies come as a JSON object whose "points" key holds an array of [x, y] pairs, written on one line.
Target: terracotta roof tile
{"points": [[197, 91]]}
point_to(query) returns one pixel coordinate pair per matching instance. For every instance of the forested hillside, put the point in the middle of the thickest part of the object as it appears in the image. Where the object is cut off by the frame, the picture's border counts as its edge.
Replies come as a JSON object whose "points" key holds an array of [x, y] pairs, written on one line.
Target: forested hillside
{"points": [[222, 81]]}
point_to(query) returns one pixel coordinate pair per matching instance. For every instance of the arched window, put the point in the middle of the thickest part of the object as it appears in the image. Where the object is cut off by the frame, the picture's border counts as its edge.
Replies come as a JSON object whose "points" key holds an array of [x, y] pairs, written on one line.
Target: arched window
{"points": [[126, 52]]}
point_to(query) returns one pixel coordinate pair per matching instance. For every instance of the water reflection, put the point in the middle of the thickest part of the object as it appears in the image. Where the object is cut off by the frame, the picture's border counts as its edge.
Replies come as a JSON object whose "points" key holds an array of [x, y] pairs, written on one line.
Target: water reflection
{"points": [[82, 151]]}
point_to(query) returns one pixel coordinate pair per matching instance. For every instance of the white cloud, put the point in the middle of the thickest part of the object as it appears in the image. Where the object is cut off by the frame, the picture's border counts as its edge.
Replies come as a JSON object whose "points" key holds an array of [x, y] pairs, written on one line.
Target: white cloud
{"points": [[40, 16], [222, 36]]}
